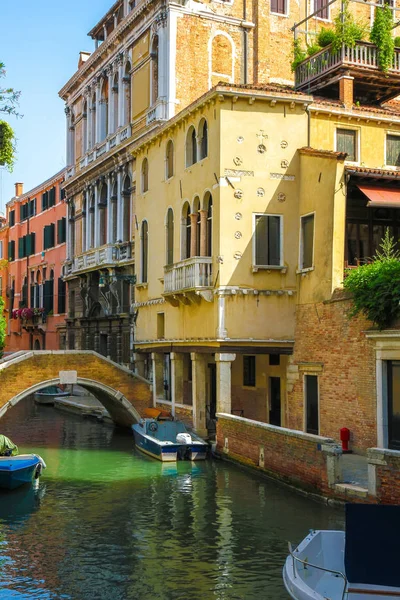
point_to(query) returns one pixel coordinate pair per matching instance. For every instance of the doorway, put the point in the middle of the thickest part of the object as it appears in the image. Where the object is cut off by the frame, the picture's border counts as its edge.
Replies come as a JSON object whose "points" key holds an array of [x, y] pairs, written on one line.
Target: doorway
{"points": [[312, 404], [393, 393], [275, 401], [36, 345]]}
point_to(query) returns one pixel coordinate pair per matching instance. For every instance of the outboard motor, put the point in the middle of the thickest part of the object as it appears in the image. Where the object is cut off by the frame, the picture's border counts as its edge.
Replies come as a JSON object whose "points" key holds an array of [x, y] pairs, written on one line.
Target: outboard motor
{"points": [[184, 438]]}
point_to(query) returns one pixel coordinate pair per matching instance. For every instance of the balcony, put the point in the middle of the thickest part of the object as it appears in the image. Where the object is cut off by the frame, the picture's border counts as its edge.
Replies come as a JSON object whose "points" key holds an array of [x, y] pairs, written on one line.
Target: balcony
{"points": [[113, 140], [323, 70], [188, 281], [158, 112], [112, 255]]}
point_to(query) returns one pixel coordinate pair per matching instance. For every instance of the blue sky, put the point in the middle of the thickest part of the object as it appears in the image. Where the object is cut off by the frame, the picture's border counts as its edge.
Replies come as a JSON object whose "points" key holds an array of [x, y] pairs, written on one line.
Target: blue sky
{"points": [[40, 43]]}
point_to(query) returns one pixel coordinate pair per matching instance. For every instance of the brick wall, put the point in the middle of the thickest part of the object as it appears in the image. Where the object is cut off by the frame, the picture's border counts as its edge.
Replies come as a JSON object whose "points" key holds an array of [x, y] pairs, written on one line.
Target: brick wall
{"points": [[333, 346], [291, 456], [16, 377], [384, 466]]}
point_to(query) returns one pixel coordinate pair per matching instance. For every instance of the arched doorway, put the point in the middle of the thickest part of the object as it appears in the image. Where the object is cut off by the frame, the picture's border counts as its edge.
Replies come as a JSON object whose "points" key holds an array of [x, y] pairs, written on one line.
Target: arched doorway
{"points": [[36, 345]]}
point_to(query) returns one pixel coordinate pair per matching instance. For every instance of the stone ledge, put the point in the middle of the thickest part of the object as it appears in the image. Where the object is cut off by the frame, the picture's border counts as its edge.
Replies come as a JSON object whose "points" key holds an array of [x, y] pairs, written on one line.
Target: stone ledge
{"points": [[309, 437]]}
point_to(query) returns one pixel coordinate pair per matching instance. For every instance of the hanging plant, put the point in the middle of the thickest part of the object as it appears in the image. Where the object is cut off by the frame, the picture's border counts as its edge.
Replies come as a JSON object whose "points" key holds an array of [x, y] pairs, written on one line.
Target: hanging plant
{"points": [[298, 54], [348, 31], [7, 146], [381, 36]]}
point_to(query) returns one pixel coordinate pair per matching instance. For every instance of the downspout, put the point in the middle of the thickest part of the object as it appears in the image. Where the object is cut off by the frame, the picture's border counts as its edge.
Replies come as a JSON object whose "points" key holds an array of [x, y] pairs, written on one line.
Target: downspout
{"points": [[308, 126], [245, 45]]}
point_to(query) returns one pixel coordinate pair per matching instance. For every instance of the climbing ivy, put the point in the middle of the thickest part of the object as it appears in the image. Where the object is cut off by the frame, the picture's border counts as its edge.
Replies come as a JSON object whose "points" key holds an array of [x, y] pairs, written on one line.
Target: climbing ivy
{"points": [[381, 36], [298, 54], [347, 30], [7, 146], [375, 287]]}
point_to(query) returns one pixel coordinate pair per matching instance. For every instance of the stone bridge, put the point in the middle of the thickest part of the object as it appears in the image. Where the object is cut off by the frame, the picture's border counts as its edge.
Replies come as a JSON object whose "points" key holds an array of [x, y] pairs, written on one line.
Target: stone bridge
{"points": [[124, 394]]}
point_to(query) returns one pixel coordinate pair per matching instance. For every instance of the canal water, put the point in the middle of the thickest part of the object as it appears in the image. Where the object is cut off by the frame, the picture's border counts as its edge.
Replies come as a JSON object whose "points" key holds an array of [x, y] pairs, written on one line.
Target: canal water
{"points": [[107, 523]]}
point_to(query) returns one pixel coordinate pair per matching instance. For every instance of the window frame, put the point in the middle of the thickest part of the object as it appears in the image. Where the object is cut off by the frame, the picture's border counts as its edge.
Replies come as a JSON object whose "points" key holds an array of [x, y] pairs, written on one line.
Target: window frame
{"points": [[255, 266], [392, 134], [314, 8], [301, 268], [280, 14], [251, 373], [357, 143]]}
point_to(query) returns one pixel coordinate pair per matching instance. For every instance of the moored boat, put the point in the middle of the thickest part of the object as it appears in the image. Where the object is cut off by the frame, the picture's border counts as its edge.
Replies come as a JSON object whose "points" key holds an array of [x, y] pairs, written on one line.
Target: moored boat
{"points": [[168, 440], [49, 394], [358, 564], [20, 469]]}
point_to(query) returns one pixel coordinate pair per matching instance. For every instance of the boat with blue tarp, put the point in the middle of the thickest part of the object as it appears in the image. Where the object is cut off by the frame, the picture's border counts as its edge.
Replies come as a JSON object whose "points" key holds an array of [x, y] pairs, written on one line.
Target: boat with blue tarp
{"points": [[168, 440], [360, 563], [17, 469]]}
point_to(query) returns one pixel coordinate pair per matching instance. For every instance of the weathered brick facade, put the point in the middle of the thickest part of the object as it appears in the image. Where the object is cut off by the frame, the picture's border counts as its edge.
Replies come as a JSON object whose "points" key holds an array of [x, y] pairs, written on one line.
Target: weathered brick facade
{"points": [[333, 346]]}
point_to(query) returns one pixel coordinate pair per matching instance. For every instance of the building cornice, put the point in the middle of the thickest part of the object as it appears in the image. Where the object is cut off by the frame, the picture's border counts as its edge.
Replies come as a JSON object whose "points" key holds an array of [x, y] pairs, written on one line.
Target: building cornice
{"points": [[36, 190]]}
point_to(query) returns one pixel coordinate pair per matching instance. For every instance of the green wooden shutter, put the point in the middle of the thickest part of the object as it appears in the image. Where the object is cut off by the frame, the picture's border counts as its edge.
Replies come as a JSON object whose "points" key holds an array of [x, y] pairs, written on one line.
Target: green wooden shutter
{"points": [[346, 142], [45, 200], [11, 250], [28, 245], [393, 150], [12, 218], [33, 239], [61, 230], [61, 296], [48, 295], [22, 247], [52, 235], [32, 296]]}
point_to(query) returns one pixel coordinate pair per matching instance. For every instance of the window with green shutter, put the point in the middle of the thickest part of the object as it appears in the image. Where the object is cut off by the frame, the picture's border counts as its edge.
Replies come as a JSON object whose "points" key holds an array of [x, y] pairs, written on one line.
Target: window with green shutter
{"points": [[48, 295], [52, 196], [23, 211], [393, 150], [30, 244], [48, 238], [11, 217], [11, 250], [61, 230], [22, 247], [61, 296], [45, 200], [346, 141], [32, 208]]}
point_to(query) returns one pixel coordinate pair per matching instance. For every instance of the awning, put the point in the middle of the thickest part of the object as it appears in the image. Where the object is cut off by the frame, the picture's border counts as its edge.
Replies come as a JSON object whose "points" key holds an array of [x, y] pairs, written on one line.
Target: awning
{"points": [[381, 196]]}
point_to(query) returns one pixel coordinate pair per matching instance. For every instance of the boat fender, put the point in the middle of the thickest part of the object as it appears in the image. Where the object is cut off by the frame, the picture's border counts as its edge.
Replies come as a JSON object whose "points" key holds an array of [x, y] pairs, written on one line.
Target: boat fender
{"points": [[153, 426], [38, 471]]}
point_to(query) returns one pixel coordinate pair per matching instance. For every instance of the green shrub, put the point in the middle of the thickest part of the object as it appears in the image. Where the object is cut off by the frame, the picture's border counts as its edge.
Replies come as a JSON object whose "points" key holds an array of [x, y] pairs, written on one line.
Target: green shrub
{"points": [[381, 36], [325, 37], [313, 49], [397, 41], [7, 146], [376, 287], [298, 55], [348, 31]]}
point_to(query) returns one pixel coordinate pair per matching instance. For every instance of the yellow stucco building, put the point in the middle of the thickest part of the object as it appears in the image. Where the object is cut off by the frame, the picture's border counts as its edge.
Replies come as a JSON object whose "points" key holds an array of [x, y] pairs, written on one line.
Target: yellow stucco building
{"points": [[243, 208]]}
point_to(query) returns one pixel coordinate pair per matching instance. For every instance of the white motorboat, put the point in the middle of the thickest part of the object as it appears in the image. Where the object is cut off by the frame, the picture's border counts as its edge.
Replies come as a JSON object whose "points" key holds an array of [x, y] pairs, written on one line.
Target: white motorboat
{"points": [[49, 394], [359, 564]]}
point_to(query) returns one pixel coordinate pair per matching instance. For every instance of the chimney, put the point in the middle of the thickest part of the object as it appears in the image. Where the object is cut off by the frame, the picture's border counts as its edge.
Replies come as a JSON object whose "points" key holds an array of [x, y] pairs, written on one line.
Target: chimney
{"points": [[83, 56], [346, 88], [19, 189]]}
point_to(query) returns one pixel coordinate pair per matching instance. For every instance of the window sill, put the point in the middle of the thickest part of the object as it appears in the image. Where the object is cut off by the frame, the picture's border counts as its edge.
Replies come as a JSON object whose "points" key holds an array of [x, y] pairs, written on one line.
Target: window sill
{"points": [[305, 271], [275, 14], [269, 269], [141, 286]]}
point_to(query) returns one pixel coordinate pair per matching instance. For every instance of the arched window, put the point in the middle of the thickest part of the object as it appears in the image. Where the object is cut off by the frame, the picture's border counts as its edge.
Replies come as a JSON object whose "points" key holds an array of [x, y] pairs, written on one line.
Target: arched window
{"points": [[115, 99], [103, 215], [126, 220], [93, 135], [154, 70], [186, 237], [91, 222], [84, 129], [197, 233], [169, 160], [145, 175], [114, 213], [169, 225], [104, 110], [144, 240], [203, 139], [191, 150], [208, 206], [127, 94]]}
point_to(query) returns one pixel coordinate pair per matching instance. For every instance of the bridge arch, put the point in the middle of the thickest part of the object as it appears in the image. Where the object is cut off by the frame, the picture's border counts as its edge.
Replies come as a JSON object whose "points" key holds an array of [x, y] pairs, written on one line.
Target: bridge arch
{"points": [[124, 394]]}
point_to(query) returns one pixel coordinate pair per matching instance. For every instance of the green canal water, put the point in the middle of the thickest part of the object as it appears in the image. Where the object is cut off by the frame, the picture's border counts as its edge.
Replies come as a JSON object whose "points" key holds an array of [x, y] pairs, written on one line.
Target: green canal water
{"points": [[107, 523]]}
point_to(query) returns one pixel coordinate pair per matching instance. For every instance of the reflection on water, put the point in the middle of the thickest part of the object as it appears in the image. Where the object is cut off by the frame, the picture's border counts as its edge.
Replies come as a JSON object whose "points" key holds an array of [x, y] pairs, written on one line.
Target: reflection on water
{"points": [[107, 523]]}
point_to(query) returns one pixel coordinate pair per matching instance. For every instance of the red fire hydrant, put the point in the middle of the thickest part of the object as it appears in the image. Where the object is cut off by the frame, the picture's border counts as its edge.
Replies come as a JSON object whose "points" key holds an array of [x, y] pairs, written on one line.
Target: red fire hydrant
{"points": [[345, 438]]}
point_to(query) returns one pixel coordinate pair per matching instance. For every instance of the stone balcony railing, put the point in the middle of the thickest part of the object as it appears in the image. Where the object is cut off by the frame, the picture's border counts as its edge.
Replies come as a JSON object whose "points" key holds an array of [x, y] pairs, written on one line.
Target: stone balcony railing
{"points": [[158, 112], [113, 140], [189, 277], [111, 255]]}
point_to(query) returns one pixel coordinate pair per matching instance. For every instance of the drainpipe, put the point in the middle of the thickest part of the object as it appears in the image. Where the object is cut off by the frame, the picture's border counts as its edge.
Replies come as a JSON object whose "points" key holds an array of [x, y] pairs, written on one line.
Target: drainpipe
{"points": [[308, 126]]}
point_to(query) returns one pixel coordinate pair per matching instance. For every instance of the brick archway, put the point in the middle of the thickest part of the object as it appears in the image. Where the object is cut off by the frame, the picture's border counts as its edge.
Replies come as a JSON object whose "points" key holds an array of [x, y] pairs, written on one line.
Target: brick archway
{"points": [[122, 393]]}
